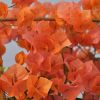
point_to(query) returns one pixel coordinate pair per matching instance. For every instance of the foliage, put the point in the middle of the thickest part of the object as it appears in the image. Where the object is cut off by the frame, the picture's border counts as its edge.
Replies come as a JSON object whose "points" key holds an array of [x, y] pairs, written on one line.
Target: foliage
{"points": [[62, 41]]}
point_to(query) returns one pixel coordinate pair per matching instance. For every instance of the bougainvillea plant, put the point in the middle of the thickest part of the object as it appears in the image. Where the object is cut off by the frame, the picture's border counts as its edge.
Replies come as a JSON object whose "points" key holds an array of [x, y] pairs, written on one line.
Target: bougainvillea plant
{"points": [[62, 41]]}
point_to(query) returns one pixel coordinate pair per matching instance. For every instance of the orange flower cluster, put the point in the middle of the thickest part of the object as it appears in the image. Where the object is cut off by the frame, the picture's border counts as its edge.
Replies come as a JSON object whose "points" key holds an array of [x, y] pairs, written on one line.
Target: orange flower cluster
{"points": [[61, 40]]}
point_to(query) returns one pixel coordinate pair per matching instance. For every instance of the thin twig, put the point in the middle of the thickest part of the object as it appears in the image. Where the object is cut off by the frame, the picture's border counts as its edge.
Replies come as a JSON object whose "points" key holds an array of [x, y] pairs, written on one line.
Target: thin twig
{"points": [[12, 5]]}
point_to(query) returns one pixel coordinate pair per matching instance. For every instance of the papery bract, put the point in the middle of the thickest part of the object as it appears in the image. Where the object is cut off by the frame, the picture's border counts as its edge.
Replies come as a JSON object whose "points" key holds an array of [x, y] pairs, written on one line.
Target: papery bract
{"points": [[13, 79], [20, 58], [25, 17], [3, 10], [61, 43]]}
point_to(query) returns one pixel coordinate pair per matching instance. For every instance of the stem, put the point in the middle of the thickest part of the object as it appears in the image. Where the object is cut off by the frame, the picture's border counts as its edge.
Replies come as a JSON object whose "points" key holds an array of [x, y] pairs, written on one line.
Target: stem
{"points": [[94, 20], [36, 19], [78, 99]]}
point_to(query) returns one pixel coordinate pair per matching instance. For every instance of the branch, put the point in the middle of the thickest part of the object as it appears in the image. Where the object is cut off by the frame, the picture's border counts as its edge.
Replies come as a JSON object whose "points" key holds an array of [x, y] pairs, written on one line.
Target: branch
{"points": [[97, 21], [36, 19], [78, 99]]}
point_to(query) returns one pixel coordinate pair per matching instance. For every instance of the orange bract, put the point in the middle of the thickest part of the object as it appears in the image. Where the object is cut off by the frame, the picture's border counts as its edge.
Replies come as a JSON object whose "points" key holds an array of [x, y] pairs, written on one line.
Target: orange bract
{"points": [[20, 58], [96, 85], [90, 4], [62, 41], [1, 62], [37, 11], [3, 10], [25, 17], [94, 6], [23, 3], [2, 49], [96, 13], [13, 80], [24, 44], [38, 88]]}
